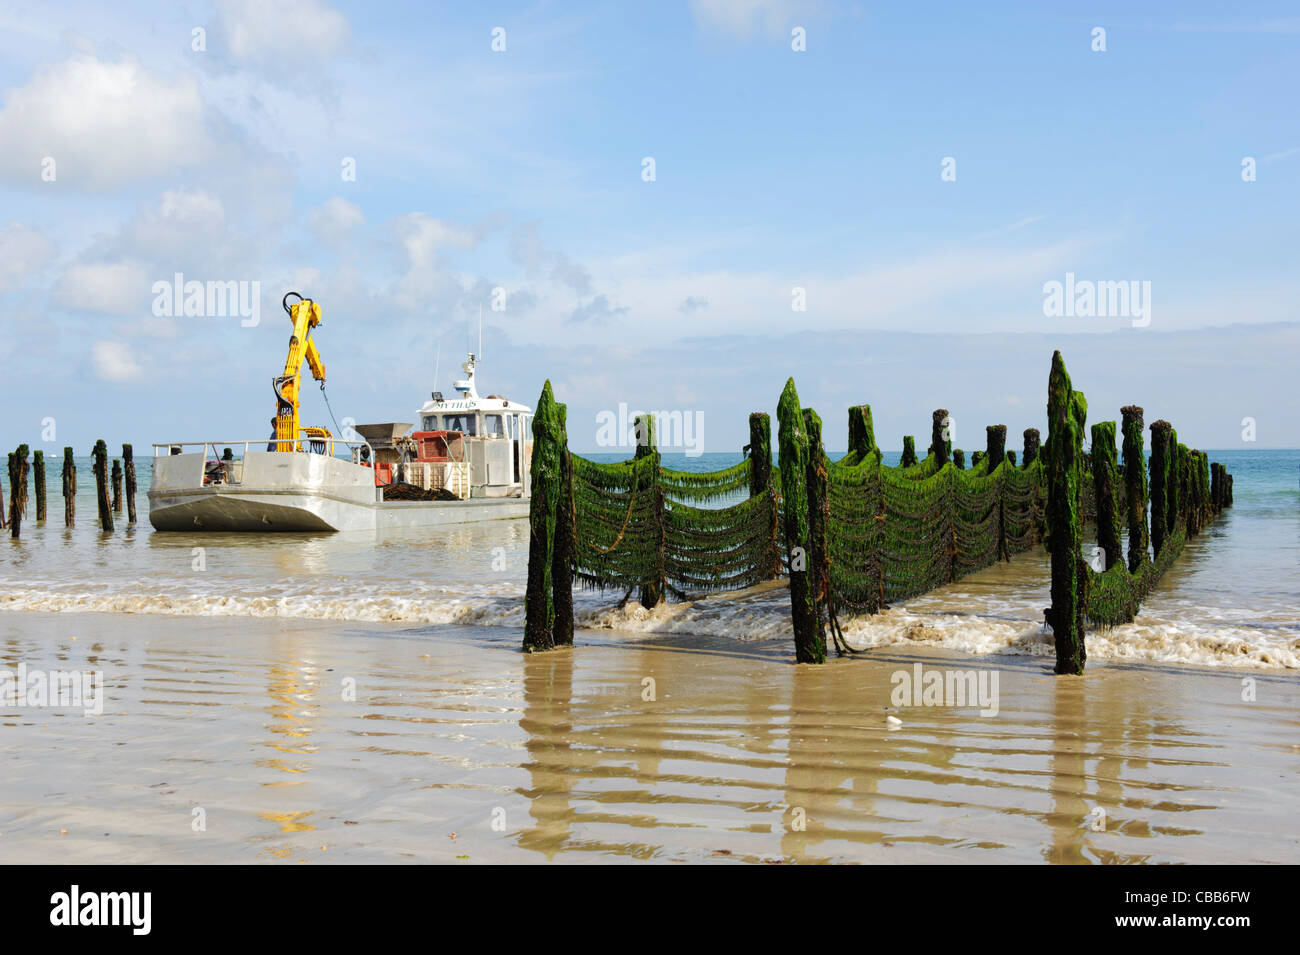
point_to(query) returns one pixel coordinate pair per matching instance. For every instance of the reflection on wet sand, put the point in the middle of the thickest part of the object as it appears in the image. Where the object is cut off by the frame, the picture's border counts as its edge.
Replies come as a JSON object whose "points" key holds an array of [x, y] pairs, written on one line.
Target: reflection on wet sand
{"points": [[457, 747]]}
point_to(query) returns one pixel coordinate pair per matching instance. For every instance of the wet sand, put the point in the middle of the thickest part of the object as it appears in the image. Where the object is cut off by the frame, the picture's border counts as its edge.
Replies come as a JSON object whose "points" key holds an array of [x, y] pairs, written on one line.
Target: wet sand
{"points": [[459, 748]]}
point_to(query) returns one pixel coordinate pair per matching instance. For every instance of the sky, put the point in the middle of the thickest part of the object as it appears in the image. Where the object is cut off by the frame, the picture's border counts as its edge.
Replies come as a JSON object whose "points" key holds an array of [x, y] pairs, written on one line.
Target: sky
{"points": [[670, 206]]}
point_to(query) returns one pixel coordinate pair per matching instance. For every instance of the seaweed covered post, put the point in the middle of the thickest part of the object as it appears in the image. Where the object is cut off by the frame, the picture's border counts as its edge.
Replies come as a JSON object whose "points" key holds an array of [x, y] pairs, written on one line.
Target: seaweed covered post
{"points": [[562, 553], [819, 515], [15, 500], [996, 444], [128, 461], [1135, 487], [940, 437], [38, 476], [862, 435], [1164, 482], [1067, 412], [909, 452], [18, 468], [69, 488], [759, 451], [975, 458], [1216, 488], [1031, 447], [792, 444], [959, 459], [1106, 491], [652, 592], [100, 468], [117, 486], [539, 598]]}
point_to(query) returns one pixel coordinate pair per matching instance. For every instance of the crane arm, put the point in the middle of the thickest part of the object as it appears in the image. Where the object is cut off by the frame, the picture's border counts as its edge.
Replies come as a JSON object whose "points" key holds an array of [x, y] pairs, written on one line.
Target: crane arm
{"points": [[305, 315]]}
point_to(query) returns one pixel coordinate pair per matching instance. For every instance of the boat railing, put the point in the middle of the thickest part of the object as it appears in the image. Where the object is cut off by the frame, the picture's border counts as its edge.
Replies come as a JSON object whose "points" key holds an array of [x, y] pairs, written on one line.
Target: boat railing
{"points": [[219, 469]]}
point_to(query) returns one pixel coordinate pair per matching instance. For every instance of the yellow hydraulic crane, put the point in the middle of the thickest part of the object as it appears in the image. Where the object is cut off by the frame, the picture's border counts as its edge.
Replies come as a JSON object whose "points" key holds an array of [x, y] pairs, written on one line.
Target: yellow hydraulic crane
{"points": [[305, 315]]}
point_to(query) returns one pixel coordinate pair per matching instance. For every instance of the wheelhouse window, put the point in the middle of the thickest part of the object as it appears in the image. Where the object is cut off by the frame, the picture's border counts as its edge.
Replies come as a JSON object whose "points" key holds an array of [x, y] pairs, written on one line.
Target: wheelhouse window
{"points": [[493, 426], [464, 423], [430, 423]]}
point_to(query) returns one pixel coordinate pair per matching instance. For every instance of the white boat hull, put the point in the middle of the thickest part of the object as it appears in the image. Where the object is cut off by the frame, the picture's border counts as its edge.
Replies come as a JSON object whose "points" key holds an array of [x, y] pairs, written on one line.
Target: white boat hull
{"points": [[269, 511], [298, 492]]}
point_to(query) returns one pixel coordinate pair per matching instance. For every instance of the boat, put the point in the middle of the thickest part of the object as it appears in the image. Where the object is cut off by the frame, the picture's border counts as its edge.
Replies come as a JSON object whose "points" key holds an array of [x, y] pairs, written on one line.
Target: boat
{"points": [[468, 461]]}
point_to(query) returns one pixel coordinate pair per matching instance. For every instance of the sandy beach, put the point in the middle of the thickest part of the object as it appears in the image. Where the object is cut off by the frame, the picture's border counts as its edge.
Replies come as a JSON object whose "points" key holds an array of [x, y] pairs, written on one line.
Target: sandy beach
{"points": [[459, 748]]}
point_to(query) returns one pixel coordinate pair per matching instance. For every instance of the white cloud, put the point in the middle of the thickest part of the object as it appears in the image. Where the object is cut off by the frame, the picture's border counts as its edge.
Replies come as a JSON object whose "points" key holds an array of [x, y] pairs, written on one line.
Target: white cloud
{"points": [[179, 218], [333, 220], [22, 252], [113, 362], [103, 124], [744, 18], [271, 30], [115, 288]]}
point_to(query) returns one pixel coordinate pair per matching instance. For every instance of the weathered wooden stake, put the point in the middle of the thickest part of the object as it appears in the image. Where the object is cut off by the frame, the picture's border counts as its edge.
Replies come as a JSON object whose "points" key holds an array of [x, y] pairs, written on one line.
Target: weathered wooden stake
{"points": [[996, 441], [539, 598], [69, 488], [909, 452], [792, 442], [38, 469], [940, 437], [862, 434], [1135, 487], [562, 559], [1166, 475], [1031, 446], [1105, 489], [1067, 413], [128, 460], [100, 467], [15, 501], [759, 451], [647, 447], [819, 515], [117, 486], [959, 459]]}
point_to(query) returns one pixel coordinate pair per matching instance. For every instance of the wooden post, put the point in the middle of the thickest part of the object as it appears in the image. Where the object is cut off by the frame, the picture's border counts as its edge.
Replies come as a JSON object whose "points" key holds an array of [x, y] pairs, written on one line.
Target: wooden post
{"points": [[38, 468], [1105, 489], [862, 434], [996, 445], [117, 486], [819, 515], [15, 496], [652, 592], [792, 442], [128, 460], [940, 436], [562, 559], [759, 451], [539, 598], [100, 467], [976, 457], [1067, 412], [1135, 487], [3, 521], [1164, 483], [1031, 447], [69, 488], [909, 452]]}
